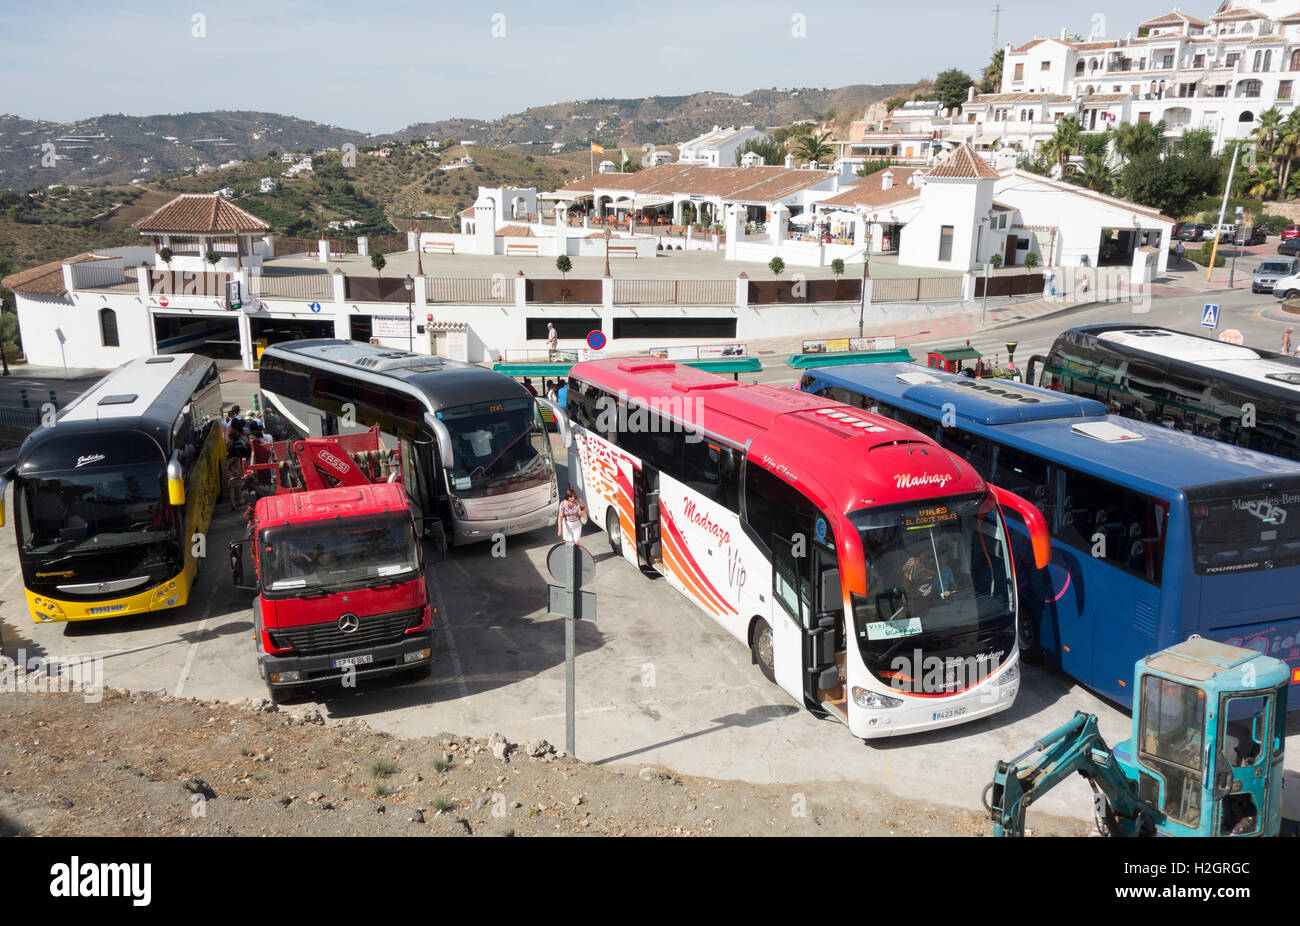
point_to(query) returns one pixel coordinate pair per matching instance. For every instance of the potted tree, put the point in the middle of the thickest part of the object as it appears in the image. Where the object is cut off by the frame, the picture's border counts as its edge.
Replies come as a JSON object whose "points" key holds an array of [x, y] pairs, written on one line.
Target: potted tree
{"points": [[564, 265]]}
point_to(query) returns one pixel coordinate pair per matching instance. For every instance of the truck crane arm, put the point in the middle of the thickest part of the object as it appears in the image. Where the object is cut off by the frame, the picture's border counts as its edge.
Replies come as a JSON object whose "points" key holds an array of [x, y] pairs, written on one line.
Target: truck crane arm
{"points": [[1074, 747]]}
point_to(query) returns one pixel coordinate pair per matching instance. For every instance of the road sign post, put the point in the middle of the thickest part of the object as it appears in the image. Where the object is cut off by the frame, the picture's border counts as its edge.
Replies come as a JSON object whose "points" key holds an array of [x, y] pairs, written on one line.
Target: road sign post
{"points": [[572, 565], [1210, 316]]}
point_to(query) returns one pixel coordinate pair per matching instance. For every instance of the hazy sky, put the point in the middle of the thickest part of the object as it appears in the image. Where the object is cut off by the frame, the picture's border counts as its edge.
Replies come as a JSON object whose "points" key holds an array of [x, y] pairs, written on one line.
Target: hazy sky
{"points": [[379, 65]]}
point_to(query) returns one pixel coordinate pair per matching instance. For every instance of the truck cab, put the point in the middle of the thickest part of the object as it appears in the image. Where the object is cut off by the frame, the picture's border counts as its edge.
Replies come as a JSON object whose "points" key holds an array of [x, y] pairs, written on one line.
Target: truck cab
{"points": [[339, 567]]}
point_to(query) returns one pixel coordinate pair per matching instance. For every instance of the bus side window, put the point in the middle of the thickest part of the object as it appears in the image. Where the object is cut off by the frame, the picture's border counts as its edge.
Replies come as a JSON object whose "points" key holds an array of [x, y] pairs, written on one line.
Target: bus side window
{"points": [[1024, 474], [975, 450], [1115, 524], [713, 470]]}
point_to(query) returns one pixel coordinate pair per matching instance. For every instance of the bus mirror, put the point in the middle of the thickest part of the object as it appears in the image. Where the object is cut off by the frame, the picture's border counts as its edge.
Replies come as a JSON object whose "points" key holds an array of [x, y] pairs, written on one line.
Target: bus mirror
{"points": [[175, 482], [4, 486], [561, 421], [1039, 536], [445, 452], [237, 563]]}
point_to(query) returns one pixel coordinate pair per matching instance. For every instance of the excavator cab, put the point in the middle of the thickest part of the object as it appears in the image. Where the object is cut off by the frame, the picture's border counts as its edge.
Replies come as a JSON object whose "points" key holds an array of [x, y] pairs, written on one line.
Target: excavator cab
{"points": [[1209, 727], [1205, 758]]}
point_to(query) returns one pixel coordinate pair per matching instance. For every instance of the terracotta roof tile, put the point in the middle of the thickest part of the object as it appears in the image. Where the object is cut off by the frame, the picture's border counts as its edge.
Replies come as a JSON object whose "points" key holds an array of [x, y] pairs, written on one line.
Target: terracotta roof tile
{"points": [[201, 214], [45, 279], [1173, 18], [962, 164], [1236, 14], [868, 191]]}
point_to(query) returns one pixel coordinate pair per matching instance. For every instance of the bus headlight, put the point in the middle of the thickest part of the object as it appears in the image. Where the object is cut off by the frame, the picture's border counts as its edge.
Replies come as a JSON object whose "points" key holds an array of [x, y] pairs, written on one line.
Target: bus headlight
{"points": [[458, 507], [46, 609], [874, 701], [1010, 676]]}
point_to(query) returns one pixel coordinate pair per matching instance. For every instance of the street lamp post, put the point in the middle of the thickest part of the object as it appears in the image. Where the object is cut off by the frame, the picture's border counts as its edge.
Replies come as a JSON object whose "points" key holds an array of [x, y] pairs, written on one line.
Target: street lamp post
{"points": [[862, 305], [409, 285], [606, 252]]}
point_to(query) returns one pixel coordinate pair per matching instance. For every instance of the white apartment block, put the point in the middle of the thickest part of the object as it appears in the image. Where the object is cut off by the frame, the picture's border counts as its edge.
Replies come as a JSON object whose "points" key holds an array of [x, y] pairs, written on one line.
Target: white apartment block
{"points": [[718, 147], [1218, 72]]}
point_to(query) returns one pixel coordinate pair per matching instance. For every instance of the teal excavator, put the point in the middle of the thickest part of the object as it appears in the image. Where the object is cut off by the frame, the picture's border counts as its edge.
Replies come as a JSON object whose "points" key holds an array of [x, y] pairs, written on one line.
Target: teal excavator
{"points": [[1205, 757]]}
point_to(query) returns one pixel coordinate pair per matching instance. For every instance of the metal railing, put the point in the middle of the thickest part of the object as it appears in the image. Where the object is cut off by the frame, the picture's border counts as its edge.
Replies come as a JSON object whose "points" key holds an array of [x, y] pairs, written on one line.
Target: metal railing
{"points": [[498, 290], [294, 286], [915, 289], [674, 292]]}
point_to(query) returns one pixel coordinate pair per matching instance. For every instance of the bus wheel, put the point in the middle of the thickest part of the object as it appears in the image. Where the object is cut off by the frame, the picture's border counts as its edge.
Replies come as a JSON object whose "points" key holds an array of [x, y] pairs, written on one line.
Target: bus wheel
{"points": [[763, 650], [615, 531], [1031, 653]]}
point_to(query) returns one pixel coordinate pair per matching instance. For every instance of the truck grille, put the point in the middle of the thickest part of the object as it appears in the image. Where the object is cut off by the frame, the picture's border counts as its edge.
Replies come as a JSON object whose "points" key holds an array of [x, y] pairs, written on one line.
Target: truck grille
{"points": [[379, 630]]}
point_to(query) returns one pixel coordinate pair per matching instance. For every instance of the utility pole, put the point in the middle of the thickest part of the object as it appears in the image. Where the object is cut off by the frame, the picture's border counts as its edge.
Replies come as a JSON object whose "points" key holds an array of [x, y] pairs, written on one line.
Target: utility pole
{"points": [[1209, 271]]}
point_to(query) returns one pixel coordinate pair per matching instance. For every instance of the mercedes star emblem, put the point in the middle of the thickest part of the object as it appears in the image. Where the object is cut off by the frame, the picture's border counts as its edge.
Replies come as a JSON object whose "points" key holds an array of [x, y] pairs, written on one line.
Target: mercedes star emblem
{"points": [[349, 622]]}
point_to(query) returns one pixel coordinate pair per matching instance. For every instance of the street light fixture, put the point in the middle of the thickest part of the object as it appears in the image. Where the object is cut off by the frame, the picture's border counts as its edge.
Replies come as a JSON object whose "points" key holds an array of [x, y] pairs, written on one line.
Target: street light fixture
{"points": [[606, 252], [409, 284]]}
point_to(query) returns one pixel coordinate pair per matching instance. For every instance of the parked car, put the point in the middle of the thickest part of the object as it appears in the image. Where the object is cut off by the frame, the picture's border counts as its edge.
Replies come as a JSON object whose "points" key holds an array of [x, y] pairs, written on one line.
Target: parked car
{"points": [[1251, 235], [1291, 231], [1227, 231], [1287, 286], [1289, 246], [1269, 271], [1192, 231]]}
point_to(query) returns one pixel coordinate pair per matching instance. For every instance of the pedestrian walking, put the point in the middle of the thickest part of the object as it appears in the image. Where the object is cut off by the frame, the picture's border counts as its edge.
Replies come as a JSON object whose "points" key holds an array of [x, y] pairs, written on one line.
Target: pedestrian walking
{"points": [[573, 514], [552, 337], [1286, 341], [1179, 250]]}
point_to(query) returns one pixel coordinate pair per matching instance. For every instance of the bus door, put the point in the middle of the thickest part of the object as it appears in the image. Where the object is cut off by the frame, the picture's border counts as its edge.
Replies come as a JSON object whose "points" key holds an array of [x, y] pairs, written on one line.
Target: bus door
{"points": [[823, 655], [806, 586], [645, 511], [420, 476]]}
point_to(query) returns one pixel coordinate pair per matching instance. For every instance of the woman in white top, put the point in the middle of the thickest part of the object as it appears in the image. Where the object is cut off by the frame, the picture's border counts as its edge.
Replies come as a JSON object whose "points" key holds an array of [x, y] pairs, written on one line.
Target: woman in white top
{"points": [[568, 525]]}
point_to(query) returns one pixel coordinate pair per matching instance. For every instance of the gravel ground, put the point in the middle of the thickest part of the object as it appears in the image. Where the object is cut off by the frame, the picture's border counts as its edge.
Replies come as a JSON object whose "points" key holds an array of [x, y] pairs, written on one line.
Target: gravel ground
{"points": [[146, 764]]}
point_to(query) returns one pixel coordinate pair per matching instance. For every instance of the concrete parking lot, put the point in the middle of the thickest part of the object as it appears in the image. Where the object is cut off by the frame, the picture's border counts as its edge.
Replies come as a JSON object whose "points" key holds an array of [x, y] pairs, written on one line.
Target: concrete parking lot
{"points": [[657, 681]]}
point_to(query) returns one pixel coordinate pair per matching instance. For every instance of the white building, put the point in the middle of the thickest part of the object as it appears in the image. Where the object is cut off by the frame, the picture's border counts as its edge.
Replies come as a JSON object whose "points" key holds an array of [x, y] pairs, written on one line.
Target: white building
{"points": [[1219, 72], [266, 185], [717, 148]]}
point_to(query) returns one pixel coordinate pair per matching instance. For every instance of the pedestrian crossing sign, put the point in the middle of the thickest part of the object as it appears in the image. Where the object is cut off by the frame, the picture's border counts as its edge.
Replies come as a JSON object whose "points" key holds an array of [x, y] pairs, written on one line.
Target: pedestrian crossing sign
{"points": [[1210, 318]]}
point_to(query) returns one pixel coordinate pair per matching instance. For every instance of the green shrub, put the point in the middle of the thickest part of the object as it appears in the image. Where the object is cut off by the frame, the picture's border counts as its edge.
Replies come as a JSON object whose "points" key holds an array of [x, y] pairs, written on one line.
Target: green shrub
{"points": [[1202, 255]]}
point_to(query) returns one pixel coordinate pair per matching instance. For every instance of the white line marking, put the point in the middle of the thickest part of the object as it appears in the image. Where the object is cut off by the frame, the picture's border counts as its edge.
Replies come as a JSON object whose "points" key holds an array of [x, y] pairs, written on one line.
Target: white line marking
{"points": [[189, 656]]}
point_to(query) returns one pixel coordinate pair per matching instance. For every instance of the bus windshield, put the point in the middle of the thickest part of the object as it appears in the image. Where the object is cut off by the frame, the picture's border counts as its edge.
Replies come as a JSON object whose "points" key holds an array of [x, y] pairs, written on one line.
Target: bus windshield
{"points": [[93, 510], [498, 447], [939, 584], [316, 558]]}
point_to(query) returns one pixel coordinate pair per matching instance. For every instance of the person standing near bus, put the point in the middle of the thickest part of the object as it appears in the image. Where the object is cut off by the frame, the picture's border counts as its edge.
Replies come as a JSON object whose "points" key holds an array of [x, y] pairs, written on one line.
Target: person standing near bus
{"points": [[237, 451], [552, 337], [568, 525]]}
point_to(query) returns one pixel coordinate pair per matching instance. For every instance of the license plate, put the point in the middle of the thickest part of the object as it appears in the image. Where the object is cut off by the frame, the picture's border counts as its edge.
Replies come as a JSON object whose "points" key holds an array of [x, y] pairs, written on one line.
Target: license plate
{"points": [[949, 714], [353, 661]]}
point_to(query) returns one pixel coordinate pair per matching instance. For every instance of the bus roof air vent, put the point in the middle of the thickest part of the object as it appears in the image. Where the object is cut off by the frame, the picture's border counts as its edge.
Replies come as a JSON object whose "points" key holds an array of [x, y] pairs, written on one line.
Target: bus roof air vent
{"points": [[1292, 379], [160, 360], [1105, 431], [698, 387], [645, 366], [916, 379], [124, 399]]}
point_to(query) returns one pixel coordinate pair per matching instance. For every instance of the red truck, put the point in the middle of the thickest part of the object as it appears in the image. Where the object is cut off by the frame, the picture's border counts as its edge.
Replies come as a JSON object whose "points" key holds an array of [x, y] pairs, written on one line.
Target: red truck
{"points": [[340, 573]]}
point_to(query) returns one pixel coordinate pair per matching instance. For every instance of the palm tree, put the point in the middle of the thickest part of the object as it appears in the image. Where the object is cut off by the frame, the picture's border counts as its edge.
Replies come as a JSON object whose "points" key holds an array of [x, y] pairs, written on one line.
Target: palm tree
{"points": [[1263, 183], [1288, 145], [1134, 139], [993, 73], [1266, 133], [1097, 174], [813, 147], [1064, 142]]}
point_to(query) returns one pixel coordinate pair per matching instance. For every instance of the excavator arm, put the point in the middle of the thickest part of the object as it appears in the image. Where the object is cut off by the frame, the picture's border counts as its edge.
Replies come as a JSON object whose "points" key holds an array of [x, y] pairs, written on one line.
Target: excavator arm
{"points": [[1075, 747]]}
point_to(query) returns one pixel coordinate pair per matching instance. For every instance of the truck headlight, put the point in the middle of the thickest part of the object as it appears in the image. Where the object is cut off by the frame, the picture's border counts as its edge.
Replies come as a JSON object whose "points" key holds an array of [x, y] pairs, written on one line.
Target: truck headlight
{"points": [[873, 700]]}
